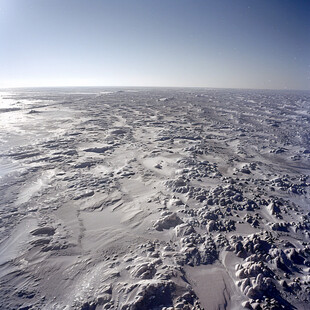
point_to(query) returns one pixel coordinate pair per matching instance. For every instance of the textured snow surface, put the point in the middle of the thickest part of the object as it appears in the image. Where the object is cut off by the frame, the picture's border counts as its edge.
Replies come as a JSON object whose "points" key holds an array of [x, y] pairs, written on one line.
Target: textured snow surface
{"points": [[154, 199]]}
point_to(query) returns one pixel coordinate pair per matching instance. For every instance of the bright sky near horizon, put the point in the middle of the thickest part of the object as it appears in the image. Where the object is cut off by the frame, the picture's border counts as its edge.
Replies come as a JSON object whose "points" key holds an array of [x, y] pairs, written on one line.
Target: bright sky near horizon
{"points": [[194, 43]]}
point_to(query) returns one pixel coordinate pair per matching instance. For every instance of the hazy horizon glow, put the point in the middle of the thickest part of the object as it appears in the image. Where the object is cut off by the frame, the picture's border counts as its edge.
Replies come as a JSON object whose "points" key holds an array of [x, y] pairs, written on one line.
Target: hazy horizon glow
{"points": [[171, 43]]}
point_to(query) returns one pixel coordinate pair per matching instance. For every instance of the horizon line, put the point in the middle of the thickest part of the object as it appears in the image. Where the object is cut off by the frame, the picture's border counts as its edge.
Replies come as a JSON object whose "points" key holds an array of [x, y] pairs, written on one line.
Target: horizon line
{"points": [[139, 86]]}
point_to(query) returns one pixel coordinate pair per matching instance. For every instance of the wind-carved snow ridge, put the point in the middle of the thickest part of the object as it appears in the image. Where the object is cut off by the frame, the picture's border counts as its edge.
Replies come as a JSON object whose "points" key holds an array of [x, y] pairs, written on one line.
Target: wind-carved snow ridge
{"points": [[154, 199]]}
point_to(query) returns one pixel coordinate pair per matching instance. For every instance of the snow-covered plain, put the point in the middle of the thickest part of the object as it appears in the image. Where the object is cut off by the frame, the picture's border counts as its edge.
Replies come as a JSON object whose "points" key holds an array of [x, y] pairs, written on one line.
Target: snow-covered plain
{"points": [[154, 199]]}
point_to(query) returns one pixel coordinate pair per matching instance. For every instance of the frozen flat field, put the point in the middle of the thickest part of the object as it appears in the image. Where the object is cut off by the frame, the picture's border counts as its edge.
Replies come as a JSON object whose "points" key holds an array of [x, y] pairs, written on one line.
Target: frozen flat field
{"points": [[154, 199]]}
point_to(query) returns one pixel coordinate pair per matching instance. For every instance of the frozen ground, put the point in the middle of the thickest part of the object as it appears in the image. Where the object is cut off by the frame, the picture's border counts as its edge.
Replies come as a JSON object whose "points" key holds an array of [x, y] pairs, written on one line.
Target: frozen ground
{"points": [[154, 199]]}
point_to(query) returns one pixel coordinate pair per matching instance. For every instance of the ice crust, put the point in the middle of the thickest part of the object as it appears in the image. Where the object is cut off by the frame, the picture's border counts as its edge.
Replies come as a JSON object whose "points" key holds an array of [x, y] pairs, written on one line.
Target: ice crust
{"points": [[154, 199]]}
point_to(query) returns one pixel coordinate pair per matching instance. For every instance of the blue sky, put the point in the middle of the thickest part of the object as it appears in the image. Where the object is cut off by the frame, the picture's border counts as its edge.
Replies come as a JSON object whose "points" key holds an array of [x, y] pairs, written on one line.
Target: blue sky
{"points": [[234, 44]]}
